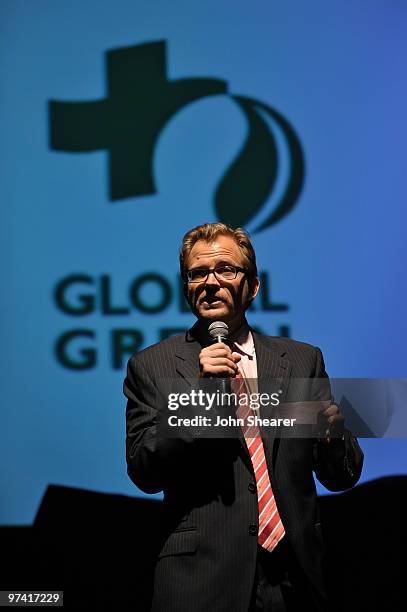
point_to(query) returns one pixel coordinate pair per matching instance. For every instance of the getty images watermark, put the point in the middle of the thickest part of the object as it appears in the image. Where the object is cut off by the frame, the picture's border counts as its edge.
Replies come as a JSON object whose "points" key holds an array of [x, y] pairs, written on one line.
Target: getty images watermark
{"points": [[246, 406], [295, 407]]}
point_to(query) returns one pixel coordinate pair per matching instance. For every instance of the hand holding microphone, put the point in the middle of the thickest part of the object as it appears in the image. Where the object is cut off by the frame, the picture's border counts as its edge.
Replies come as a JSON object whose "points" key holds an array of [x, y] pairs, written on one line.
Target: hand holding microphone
{"points": [[217, 360]]}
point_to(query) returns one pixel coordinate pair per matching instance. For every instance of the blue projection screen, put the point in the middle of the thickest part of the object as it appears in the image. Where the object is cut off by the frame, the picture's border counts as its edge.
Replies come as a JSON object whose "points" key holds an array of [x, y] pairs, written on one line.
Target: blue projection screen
{"points": [[123, 125]]}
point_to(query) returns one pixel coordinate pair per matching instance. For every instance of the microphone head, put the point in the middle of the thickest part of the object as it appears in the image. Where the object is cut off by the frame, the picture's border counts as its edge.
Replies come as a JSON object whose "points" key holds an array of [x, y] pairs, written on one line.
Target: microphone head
{"points": [[218, 331]]}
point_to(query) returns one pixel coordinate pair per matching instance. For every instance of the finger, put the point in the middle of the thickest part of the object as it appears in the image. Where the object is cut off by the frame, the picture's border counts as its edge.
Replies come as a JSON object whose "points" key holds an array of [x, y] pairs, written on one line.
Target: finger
{"points": [[217, 349], [219, 345], [218, 358], [219, 361], [336, 419], [221, 370]]}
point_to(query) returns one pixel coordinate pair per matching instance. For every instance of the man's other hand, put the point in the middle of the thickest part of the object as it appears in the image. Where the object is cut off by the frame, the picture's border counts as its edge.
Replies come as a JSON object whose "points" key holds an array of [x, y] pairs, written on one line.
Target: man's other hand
{"points": [[335, 422]]}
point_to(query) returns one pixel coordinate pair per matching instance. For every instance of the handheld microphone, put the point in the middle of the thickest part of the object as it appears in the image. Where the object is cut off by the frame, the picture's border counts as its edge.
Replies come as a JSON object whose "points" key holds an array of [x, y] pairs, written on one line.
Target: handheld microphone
{"points": [[219, 332]]}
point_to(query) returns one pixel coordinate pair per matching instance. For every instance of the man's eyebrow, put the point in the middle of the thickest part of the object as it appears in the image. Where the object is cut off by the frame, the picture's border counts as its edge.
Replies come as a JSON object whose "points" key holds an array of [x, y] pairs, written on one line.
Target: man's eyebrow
{"points": [[227, 262], [221, 262]]}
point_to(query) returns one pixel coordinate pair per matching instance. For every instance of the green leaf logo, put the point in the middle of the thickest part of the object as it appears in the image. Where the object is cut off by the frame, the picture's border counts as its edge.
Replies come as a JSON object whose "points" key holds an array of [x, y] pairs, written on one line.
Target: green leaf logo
{"points": [[250, 180]]}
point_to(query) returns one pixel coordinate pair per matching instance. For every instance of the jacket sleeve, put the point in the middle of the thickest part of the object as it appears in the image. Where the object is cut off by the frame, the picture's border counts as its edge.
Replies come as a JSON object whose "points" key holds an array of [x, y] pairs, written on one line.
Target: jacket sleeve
{"points": [[153, 458], [337, 463]]}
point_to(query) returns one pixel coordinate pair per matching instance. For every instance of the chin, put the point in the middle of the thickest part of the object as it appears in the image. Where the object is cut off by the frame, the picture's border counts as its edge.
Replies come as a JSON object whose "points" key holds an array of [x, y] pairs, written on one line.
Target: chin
{"points": [[214, 313]]}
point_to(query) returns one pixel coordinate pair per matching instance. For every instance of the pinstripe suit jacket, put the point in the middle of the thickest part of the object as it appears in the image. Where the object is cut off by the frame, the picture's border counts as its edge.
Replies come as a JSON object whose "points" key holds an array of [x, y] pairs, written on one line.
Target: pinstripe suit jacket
{"points": [[208, 551]]}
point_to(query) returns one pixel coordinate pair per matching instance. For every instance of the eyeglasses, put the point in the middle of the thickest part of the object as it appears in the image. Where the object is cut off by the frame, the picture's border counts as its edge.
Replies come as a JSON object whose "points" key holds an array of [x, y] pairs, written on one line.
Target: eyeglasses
{"points": [[225, 273]]}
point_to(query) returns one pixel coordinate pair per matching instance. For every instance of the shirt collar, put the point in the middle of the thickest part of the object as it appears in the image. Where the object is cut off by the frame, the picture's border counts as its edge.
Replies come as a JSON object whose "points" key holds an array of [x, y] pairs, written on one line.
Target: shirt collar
{"points": [[243, 340]]}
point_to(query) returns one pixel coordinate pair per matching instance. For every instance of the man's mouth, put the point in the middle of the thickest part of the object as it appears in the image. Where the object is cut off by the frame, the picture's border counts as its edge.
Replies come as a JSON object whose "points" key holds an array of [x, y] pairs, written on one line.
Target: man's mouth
{"points": [[212, 300]]}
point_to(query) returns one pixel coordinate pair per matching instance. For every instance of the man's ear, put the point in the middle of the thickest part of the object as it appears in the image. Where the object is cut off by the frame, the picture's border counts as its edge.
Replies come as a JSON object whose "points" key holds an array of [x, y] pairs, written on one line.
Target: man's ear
{"points": [[185, 292], [254, 288]]}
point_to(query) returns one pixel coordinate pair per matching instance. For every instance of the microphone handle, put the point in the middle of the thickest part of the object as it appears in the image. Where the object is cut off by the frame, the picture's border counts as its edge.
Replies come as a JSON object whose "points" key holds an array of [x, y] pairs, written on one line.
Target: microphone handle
{"points": [[224, 383], [221, 338]]}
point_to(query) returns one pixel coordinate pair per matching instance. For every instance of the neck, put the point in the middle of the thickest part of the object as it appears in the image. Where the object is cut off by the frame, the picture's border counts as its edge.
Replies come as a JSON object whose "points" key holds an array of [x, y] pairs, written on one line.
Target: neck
{"points": [[201, 327]]}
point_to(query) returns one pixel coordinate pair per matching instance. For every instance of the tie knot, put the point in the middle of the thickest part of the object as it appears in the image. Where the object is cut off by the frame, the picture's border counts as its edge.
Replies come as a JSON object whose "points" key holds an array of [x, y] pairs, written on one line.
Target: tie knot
{"points": [[238, 383]]}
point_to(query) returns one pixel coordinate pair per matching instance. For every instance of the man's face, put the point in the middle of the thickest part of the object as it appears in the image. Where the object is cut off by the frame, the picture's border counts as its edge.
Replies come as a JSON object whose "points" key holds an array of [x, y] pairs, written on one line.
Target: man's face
{"points": [[213, 299]]}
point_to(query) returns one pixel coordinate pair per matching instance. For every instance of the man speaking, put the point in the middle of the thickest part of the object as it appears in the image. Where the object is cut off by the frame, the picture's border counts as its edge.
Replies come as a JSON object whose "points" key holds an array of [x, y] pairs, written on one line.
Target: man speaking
{"points": [[241, 529]]}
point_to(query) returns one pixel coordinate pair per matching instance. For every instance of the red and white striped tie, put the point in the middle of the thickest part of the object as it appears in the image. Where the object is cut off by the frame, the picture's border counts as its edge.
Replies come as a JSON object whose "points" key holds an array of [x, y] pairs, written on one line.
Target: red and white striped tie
{"points": [[271, 529]]}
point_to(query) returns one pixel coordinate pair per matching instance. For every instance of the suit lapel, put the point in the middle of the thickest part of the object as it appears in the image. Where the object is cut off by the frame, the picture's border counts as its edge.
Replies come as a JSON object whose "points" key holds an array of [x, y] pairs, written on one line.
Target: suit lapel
{"points": [[272, 366], [187, 359], [273, 372]]}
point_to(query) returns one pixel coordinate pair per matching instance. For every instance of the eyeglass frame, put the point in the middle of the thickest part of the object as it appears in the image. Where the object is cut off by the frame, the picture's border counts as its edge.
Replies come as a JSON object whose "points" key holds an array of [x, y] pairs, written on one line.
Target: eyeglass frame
{"points": [[213, 271]]}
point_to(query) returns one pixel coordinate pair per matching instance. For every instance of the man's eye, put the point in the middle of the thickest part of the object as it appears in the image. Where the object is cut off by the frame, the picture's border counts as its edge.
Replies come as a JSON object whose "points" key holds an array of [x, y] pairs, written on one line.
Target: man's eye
{"points": [[198, 274], [226, 272]]}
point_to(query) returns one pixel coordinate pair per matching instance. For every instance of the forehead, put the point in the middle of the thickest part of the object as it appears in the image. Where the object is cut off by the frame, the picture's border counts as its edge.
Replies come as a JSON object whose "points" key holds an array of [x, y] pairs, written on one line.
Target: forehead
{"points": [[222, 248]]}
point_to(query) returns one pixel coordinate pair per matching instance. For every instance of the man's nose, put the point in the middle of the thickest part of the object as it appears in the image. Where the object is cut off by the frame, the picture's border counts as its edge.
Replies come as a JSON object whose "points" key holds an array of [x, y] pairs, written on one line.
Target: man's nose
{"points": [[212, 279]]}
